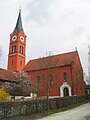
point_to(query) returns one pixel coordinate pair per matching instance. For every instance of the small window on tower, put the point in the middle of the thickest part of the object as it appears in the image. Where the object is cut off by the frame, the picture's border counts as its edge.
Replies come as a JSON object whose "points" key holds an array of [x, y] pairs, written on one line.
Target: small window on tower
{"points": [[21, 49], [12, 62], [14, 49], [20, 63]]}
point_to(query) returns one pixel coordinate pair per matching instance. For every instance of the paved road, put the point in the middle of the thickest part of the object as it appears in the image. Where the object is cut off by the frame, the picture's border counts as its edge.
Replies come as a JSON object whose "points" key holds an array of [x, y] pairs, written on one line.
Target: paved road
{"points": [[80, 113]]}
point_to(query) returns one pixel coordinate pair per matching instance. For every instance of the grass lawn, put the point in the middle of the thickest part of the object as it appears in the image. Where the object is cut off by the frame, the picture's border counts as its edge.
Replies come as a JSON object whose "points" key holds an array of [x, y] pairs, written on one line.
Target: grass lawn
{"points": [[36, 116]]}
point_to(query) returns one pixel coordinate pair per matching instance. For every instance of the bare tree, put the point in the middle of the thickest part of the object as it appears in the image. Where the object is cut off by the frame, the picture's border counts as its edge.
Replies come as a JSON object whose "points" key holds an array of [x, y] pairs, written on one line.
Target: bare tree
{"points": [[85, 78], [48, 76]]}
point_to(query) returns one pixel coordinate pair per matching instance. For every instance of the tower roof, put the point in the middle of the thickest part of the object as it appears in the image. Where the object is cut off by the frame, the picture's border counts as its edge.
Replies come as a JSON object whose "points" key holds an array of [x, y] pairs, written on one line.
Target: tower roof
{"points": [[19, 27]]}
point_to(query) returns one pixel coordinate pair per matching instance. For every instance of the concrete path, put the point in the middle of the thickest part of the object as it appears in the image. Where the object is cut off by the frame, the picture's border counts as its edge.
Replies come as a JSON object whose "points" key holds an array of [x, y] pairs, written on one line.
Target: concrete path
{"points": [[80, 113]]}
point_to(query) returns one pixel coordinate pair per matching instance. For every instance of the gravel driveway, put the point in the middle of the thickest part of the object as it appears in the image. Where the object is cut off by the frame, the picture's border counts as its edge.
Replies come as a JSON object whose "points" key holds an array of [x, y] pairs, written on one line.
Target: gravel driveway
{"points": [[80, 113]]}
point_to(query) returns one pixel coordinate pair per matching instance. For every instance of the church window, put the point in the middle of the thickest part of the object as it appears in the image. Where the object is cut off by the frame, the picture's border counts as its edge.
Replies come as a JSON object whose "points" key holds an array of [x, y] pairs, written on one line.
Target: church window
{"points": [[20, 63], [14, 49], [51, 80], [12, 62], [21, 49], [65, 76], [38, 79]]}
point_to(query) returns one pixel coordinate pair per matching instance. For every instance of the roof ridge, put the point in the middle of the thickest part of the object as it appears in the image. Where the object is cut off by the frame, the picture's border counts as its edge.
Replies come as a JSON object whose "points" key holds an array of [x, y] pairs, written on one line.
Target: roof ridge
{"points": [[53, 55], [63, 59]]}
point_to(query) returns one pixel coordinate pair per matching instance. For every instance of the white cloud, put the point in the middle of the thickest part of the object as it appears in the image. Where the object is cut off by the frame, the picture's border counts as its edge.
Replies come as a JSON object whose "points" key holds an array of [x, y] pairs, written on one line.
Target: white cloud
{"points": [[55, 25]]}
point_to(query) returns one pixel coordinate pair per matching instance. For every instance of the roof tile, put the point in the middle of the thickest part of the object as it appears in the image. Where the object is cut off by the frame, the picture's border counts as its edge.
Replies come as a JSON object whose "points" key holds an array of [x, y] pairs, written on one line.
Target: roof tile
{"points": [[59, 60], [5, 74]]}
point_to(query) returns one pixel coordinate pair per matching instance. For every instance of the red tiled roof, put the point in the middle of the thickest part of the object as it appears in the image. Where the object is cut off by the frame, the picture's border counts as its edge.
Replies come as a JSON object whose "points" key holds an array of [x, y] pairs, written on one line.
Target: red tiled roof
{"points": [[59, 60], [5, 74]]}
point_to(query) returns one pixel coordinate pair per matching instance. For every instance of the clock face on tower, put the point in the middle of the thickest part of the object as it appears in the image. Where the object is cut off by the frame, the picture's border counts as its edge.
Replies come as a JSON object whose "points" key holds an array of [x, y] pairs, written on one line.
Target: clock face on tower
{"points": [[22, 38], [14, 38]]}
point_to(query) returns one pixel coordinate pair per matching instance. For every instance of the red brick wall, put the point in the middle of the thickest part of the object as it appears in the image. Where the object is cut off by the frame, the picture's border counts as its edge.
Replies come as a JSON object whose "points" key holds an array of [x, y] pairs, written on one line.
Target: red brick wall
{"points": [[17, 57], [58, 80]]}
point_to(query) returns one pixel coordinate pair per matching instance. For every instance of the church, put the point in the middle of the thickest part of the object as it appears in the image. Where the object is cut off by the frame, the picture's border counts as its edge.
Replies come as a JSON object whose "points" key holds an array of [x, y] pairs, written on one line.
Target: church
{"points": [[56, 75]]}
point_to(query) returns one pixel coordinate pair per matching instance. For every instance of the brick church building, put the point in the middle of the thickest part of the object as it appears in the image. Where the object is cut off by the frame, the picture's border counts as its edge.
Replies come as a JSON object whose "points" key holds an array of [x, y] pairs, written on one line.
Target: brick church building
{"points": [[61, 74]]}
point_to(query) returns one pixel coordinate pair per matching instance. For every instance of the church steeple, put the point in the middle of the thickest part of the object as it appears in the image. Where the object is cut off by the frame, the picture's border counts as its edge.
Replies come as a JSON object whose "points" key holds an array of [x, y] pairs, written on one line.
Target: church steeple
{"points": [[19, 27], [17, 49]]}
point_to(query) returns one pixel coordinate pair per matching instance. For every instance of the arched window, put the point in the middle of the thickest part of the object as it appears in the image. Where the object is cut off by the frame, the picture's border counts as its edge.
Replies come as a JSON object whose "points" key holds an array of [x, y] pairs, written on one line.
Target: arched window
{"points": [[51, 80], [12, 62], [21, 49], [14, 49], [65, 76], [38, 79], [20, 63]]}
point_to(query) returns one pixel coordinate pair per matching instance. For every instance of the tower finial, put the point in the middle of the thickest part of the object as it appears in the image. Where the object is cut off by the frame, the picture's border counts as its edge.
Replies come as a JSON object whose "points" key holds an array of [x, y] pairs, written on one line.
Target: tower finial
{"points": [[20, 9], [75, 48]]}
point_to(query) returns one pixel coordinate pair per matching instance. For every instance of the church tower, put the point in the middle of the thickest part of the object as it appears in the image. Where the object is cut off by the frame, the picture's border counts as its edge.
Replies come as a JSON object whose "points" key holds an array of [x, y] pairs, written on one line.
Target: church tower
{"points": [[17, 48]]}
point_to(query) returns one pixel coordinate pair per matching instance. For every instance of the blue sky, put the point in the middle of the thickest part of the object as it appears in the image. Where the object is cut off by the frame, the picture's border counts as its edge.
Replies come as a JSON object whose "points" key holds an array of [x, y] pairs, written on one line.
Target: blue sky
{"points": [[50, 25]]}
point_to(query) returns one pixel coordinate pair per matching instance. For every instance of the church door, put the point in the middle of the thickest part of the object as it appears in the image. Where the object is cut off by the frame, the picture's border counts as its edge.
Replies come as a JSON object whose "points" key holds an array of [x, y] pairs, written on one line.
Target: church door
{"points": [[66, 92]]}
